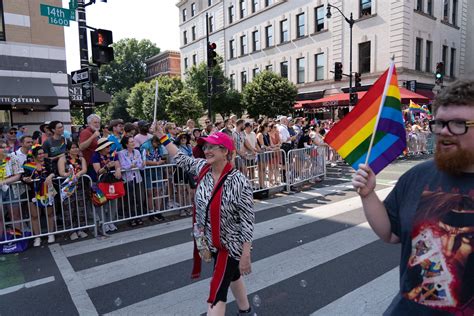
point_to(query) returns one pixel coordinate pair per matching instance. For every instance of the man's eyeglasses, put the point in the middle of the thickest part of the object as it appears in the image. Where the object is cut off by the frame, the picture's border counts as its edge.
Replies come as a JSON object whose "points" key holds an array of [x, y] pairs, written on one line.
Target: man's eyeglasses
{"points": [[455, 127], [12, 133], [211, 147]]}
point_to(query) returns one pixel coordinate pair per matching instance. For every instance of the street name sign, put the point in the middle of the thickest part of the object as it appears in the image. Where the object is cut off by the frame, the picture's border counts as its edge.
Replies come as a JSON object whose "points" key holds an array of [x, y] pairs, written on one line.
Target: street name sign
{"points": [[56, 15], [80, 76]]}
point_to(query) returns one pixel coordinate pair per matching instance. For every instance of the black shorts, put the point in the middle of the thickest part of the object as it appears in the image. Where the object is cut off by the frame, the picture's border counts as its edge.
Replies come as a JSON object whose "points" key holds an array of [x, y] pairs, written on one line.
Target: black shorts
{"points": [[226, 270]]}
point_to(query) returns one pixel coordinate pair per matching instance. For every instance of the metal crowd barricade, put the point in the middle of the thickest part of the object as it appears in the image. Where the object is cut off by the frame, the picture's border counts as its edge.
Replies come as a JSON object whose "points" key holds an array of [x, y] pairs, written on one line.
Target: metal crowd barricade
{"points": [[265, 170], [26, 220], [306, 164], [420, 142], [332, 156], [158, 190]]}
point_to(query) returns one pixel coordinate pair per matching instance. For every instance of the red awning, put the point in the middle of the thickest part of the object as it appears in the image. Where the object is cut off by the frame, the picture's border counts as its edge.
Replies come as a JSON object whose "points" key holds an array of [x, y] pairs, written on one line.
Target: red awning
{"points": [[342, 99]]}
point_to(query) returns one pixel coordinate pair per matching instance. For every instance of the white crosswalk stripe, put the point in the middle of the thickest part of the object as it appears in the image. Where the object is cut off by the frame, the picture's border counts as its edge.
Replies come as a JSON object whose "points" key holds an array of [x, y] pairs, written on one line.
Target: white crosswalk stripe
{"points": [[189, 299]]}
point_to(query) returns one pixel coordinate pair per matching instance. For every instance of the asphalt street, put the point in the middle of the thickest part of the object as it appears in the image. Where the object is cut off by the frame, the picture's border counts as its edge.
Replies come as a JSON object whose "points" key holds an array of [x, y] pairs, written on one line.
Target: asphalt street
{"points": [[313, 254]]}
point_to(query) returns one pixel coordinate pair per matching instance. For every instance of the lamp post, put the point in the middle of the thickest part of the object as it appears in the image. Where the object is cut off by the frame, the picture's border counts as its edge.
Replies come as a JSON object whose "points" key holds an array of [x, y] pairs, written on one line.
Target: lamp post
{"points": [[351, 24]]}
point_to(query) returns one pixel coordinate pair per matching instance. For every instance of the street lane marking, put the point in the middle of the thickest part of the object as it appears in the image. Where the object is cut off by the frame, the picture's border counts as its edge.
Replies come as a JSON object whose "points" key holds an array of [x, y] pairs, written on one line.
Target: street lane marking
{"points": [[73, 282], [136, 265], [267, 272], [372, 298], [90, 245], [26, 285]]}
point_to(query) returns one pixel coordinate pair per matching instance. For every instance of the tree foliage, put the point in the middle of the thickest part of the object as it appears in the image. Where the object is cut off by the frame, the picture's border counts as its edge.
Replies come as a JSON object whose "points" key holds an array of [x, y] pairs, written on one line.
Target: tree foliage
{"points": [[269, 94], [174, 101], [224, 101], [128, 67]]}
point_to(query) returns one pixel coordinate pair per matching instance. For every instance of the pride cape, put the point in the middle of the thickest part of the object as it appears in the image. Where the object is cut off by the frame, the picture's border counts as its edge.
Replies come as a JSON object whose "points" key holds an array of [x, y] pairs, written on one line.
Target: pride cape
{"points": [[378, 111]]}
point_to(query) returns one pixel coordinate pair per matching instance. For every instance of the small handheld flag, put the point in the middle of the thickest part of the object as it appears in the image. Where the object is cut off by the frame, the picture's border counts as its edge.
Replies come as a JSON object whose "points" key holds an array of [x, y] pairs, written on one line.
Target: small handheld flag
{"points": [[373, 132]]}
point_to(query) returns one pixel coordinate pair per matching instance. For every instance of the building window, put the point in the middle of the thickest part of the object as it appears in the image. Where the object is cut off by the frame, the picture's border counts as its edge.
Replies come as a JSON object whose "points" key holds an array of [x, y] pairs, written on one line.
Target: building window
{"points": [[284, 31], [300, 25], [232, 48], [185, 37], [255, 72], [193, 33], [446, 11], [419, 5], [364, 57], [418, 54], [444, 58], [319, 64], [231, 14], [454, 13], [255, 41], [209, 2], [452, 61], [319, 18], [300, 70], [193, 9], [269, 67], [269, 36], [243, 45], [254, 6], [284, 69], [185, 63], [2, 22], [184, 15], [194, 59], [429, 7], [243, 79], [211, 24], [243, 9], [429, 46], [268, 2], [365, 8], [232, 81]]}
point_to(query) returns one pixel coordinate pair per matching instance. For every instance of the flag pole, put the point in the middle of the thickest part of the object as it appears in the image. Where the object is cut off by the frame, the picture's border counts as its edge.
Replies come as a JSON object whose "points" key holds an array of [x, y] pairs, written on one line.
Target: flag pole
{"points": [[156, 101], [384, 95]]}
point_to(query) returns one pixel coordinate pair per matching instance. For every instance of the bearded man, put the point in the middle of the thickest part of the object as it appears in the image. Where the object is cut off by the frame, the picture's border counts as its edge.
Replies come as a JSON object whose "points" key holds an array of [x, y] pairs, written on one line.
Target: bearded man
{"points": [[430, 212]]}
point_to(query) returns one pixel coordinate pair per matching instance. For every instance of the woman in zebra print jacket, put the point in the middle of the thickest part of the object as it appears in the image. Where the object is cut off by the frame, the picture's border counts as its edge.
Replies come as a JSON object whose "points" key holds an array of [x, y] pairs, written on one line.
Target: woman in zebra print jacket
{"points": [[224, 208]]}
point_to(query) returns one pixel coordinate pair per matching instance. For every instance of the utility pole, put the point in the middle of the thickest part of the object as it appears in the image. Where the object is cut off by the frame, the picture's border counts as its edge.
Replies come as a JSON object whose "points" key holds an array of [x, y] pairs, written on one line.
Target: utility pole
{"points": [[209, 76]]}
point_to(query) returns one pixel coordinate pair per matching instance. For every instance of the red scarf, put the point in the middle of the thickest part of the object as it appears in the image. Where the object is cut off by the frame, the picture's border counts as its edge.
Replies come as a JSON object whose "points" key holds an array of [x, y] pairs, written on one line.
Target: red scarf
{"points": [[215, 219]]}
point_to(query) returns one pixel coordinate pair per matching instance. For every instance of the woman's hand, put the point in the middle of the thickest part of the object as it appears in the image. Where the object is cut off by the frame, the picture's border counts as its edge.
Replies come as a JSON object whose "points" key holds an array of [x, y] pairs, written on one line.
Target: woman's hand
{"points": [[118, 174], [245, 265], [111, 164]]}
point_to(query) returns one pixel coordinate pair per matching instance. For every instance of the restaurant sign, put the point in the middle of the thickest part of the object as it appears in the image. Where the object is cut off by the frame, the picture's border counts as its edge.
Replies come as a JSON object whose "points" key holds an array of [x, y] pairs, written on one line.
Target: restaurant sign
{"points": [[19, 100]]}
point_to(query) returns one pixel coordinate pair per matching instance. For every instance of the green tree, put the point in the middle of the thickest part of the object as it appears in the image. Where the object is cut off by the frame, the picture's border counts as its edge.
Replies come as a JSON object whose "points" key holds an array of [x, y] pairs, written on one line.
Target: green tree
{"points": [[183, 105], [128, 67], [269, 94], [140, 95]]}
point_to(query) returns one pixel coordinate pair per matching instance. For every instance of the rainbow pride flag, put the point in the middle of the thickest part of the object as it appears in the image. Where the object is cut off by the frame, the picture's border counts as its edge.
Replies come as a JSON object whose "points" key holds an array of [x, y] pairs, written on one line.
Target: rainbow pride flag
{"points": [[373, 132], [418, 108]]}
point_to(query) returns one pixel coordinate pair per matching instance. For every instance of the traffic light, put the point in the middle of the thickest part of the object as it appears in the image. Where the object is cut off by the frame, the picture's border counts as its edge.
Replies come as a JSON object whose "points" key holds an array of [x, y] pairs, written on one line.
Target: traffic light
{"points": [[357, 80], [211, 55], [439, 73], [353, 98], [100, 42], [337, 71]]}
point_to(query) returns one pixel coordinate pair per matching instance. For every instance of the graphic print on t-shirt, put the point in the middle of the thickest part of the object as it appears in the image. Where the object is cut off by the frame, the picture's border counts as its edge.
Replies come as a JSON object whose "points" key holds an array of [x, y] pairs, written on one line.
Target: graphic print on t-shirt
{"points": [[440, 272]]}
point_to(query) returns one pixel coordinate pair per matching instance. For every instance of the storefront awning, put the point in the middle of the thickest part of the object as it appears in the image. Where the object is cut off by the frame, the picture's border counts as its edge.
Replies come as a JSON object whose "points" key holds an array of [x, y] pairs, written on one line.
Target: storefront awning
{"points": [[342, 99], [20, 93]]}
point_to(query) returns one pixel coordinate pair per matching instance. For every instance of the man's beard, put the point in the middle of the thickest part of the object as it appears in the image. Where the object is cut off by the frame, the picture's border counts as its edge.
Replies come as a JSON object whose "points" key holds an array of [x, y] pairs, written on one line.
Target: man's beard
{"points": [[454, 162]]}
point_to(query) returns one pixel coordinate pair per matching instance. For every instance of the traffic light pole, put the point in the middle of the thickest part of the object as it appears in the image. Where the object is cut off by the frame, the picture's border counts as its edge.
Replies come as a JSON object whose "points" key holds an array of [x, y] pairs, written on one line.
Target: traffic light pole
{"points": [[83, 47], [209, 77]]}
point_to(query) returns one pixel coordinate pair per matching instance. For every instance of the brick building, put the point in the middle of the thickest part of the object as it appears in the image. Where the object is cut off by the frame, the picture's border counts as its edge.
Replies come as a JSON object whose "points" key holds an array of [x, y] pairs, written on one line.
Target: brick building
{"points": [[167, 63], [33, 75]]}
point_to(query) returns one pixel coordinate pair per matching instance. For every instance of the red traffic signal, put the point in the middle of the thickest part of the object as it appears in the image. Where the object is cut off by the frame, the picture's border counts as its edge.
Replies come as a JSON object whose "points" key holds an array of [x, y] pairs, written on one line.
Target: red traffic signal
{"points": [[211, 55], [100, 42]]}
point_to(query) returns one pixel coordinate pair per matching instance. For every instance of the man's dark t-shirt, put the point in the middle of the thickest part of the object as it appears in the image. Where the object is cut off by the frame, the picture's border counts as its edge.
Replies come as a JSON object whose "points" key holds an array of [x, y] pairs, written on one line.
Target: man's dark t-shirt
{"points": [[432, 213]]}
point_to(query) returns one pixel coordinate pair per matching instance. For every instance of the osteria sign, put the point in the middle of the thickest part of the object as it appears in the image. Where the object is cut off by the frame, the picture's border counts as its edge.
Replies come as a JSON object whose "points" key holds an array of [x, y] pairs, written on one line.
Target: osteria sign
{"points": [[20, 100]]}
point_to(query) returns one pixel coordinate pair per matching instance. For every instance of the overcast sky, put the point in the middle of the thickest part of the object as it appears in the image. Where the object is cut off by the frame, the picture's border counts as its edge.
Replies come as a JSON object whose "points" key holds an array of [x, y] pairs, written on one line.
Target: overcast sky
{"points": [[156, 20]]}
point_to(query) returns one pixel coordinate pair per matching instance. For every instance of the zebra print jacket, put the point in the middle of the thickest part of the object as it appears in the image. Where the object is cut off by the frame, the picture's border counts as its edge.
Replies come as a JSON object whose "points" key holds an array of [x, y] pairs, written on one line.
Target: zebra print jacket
{"points": [[237, 214]]}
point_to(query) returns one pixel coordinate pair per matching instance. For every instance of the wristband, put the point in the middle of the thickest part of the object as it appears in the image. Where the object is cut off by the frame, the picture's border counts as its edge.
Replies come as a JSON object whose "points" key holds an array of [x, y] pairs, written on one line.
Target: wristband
{"points": [[165, 140]]}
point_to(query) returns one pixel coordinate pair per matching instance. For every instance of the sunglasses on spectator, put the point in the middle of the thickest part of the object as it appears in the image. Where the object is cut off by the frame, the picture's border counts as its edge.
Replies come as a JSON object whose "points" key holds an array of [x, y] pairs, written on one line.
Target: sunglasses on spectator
{"points": [[12, 133], [211, 147], [455, 127]]}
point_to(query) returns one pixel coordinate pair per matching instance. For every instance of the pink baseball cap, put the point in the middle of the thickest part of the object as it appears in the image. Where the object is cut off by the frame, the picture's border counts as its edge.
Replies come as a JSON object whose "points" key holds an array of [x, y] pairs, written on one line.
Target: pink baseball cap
{"points": [[218, 138]]}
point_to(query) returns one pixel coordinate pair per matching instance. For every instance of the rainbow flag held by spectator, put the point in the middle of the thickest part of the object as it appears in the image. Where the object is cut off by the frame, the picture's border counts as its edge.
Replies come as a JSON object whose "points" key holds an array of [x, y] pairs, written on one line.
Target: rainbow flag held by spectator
{"points": [[418, 108], [373, 132]]}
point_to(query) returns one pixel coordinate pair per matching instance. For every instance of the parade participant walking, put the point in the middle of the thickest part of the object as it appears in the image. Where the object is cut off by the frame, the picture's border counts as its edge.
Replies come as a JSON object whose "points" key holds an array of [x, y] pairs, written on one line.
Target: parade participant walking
{"points": [[224, 219], [431, 213]]}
